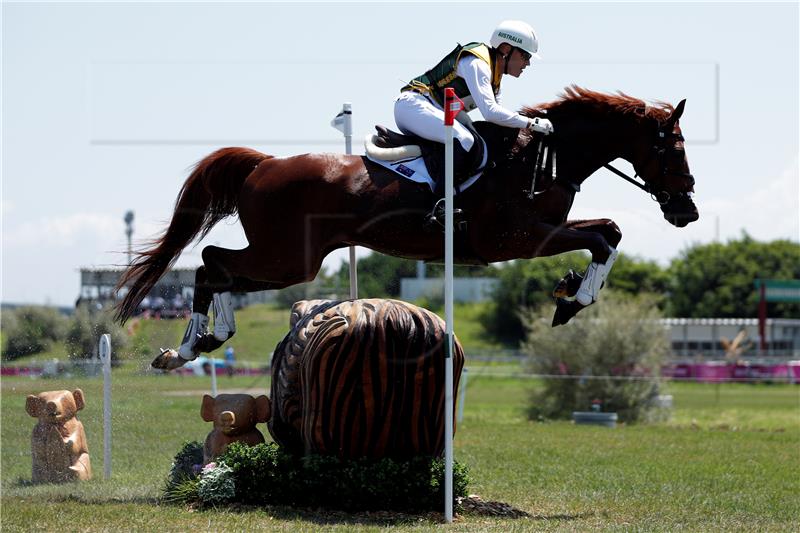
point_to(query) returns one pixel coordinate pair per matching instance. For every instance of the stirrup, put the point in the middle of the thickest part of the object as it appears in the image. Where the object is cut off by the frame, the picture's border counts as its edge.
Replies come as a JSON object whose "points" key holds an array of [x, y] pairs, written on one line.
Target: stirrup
{"points": [[437, 215]]}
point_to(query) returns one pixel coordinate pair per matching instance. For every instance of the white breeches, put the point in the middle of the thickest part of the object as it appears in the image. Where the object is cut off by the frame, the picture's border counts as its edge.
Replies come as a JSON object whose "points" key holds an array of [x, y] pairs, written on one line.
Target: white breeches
{"points": [[415, 113]]}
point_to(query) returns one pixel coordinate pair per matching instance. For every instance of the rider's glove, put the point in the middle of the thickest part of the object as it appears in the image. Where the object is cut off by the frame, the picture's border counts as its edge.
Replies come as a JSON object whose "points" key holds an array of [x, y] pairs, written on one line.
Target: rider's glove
{"points": [[541, 125]]}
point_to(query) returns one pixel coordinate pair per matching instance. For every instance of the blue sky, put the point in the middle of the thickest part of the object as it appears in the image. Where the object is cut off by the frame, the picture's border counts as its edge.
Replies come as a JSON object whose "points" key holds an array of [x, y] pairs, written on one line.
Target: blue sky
{"points": [[106, 106]]}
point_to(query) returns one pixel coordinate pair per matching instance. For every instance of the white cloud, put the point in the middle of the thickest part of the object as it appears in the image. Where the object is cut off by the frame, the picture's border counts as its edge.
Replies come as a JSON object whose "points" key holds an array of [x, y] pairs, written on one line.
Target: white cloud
{"points": [[771, 211], [63, 232]]}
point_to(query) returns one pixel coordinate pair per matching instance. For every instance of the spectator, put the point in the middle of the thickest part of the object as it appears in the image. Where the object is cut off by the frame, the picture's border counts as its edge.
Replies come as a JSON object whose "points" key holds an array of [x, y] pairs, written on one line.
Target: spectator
{"points": [[229, 360]]}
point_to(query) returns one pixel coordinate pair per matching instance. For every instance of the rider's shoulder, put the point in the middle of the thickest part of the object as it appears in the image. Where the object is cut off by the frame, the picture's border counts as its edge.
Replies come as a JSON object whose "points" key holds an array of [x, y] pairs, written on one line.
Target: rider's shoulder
{"points": [[476, 49]]}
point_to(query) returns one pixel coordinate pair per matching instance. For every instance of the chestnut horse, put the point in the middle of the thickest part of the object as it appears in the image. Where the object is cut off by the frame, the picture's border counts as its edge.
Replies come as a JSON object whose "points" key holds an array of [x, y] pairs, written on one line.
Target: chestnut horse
{"points": [[296, 210]]}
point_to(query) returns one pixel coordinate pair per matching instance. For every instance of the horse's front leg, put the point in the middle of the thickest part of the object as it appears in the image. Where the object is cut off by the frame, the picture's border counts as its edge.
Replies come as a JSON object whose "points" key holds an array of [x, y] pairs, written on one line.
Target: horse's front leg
{"points": [[586, 288], [600, 237], [568, 286]]}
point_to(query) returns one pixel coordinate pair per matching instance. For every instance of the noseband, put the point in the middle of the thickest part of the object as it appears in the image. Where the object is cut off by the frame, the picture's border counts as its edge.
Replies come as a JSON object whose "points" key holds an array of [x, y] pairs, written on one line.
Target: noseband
{"points": [[659, 150]]}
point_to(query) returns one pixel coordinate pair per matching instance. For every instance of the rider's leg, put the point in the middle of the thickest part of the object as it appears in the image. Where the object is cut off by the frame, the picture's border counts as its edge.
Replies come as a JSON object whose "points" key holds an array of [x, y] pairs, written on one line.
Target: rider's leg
{"points": [[414, 113]]}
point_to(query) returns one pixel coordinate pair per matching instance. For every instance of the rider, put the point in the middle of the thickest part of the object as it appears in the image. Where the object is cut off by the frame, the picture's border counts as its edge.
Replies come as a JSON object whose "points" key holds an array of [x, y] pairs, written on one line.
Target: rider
{"points": [[474, 71]]}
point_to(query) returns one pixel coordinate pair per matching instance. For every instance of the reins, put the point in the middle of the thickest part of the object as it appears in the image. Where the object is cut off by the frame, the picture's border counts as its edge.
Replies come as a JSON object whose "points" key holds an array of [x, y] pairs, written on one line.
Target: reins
{"points": [[662, 197]]}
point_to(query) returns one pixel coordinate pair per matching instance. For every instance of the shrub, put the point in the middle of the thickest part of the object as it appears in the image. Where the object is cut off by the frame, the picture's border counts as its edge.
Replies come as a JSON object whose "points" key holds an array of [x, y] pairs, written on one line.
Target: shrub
{"points": [[266, 475], [182, 482], [85, 329], [216, 484], [30, 330], [618, 337]]}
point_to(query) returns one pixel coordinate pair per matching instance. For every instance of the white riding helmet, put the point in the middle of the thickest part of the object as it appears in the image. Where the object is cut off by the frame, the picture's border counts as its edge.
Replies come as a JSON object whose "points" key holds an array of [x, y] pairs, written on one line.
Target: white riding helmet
{"points": [[516, 33]]}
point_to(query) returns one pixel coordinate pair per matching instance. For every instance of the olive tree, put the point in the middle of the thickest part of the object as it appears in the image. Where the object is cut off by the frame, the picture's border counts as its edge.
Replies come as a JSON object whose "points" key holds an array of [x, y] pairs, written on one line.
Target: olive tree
{"points": [[620, 340]]}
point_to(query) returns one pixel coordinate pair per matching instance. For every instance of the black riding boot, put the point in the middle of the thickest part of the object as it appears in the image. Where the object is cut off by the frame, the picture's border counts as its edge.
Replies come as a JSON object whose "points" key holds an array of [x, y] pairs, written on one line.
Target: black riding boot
{"points": [[465, 164]]}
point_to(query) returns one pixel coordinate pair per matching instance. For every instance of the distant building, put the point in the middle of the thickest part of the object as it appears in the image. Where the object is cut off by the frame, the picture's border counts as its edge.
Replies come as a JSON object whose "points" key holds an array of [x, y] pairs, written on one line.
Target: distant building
{"points": [[464, 289], [712, 337], [171, 296]]}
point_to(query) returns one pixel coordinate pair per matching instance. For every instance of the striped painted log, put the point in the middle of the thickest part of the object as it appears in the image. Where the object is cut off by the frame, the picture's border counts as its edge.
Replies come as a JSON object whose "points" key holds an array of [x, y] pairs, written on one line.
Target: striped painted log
{"points": [[362, 378]]}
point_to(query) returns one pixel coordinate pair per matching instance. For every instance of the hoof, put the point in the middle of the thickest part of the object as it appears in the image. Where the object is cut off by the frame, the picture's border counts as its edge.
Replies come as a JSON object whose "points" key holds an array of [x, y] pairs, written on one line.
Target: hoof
{"points": [[568, 286], [168, 360], [565, 310]]}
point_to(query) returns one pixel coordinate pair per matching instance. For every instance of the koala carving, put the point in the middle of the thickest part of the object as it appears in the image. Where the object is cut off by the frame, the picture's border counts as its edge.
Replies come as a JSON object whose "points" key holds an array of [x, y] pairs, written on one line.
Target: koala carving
{"points": [[58, 444], [235, 417]]}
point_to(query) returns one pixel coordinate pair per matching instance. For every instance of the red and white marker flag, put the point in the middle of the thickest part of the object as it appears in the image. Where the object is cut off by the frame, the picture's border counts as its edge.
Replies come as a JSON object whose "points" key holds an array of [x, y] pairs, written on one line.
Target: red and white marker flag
{"points": [[452, 106]]}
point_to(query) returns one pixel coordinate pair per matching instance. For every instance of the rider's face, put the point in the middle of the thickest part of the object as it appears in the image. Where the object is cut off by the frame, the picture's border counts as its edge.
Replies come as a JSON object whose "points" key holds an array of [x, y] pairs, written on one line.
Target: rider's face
{"points": [[517, 61]]}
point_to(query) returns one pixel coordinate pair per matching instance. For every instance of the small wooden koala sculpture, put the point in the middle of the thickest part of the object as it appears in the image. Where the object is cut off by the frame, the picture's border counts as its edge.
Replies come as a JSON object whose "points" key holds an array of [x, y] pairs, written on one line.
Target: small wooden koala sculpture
{"points": [[235, 417], [58, 444]]}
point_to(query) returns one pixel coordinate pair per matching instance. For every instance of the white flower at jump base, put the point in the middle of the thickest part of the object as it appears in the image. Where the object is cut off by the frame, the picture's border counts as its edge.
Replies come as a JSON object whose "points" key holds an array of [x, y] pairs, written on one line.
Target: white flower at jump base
{"points": [[216, 484]]}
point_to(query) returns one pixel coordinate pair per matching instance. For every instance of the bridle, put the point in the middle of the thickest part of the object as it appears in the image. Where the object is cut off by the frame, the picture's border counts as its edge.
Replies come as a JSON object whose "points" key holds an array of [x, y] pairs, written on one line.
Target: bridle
{"points": [[665, 141]]}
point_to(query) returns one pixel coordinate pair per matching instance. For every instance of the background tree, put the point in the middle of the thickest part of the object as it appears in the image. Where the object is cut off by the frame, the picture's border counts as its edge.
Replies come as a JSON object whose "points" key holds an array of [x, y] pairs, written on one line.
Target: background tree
{"points": [[716, 280], [31, 330], [635, 275], [84, 330]]}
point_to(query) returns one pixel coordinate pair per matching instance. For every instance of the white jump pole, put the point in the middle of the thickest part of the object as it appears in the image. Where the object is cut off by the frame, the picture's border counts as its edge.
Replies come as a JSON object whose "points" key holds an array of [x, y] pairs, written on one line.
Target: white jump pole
{"points": [[344, 123], [452, 106], [213, 376], [462, 394], [105, 359]]}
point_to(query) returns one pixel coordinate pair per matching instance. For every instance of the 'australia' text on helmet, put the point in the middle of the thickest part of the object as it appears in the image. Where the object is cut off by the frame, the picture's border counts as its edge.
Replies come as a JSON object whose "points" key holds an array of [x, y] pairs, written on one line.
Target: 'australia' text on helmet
{"points": [[516, 33]]}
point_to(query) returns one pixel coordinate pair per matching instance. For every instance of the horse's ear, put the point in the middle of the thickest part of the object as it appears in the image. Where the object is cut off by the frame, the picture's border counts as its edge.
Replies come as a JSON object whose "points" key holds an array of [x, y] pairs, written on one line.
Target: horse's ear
{"points": [[676, 115]]}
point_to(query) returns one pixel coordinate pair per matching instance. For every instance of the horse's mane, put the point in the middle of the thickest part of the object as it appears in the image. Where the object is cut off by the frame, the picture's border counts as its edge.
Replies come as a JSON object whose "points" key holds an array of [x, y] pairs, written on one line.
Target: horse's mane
{"points": [[577, 99]]}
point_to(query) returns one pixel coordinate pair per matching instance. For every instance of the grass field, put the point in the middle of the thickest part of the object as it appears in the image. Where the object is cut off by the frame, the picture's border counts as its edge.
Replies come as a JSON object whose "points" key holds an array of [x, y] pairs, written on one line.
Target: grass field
{"points": [[728, 460]]}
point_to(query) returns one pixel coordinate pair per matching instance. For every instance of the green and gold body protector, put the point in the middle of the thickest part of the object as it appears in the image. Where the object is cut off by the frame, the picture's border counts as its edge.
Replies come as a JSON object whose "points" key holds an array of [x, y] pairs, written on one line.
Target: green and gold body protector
{"points": [[443, 75]]}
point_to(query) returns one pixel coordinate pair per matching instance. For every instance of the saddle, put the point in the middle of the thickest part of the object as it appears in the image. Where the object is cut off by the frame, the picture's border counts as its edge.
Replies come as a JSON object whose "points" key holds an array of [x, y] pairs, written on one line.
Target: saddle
{"points": [[398, 146]]}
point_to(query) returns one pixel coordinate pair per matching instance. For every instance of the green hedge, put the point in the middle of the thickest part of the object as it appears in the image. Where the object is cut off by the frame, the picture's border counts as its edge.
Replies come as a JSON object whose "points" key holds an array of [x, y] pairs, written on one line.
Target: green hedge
{"points": [[266, 475]]}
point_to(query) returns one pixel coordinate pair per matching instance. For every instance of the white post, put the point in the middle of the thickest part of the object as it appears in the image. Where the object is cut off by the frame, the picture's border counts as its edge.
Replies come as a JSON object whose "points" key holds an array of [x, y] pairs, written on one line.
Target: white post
{"points": [[344, 123], [462, 395], [213, 377], [451, 109], [347, 109], [105, 359]]}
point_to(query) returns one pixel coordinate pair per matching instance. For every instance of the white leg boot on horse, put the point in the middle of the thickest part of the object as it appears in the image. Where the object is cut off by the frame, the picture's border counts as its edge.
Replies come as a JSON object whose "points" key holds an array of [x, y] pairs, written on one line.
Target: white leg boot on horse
{"points": [[197, 337], [224, 321], [170, 359], [593, 280]]}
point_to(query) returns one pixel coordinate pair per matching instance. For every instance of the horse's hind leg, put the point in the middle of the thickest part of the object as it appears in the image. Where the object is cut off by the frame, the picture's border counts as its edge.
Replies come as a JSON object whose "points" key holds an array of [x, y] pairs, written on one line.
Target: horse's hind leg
{"points": [[227, 271]]}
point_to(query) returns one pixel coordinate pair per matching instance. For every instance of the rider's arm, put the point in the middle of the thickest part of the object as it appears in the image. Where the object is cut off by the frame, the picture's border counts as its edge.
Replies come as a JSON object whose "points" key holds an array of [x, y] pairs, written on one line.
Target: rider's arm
{"points": [[477, 75]]}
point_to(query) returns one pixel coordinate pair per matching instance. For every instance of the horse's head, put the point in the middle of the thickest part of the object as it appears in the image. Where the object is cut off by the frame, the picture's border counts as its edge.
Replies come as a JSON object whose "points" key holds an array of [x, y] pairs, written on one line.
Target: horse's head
{"points": [[661, 162]]}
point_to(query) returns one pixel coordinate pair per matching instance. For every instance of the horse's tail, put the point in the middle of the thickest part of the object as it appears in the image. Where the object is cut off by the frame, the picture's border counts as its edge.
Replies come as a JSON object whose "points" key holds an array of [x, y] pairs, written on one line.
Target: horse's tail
{"points": [[209, 194]]}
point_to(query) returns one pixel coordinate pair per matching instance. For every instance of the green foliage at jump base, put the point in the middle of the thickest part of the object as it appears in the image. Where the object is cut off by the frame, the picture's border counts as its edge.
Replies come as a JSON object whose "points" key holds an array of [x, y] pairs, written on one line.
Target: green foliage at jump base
{"points": [[266, 475]]}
